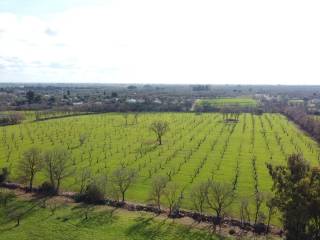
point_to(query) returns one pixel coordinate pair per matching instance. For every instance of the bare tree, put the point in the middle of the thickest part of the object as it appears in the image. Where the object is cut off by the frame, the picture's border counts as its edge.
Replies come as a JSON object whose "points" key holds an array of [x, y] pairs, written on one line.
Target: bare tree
{"points": [[199, 195], [173, 196], [159, 128], [136, 118], [220, 197], [244, 211], [87, 208], [30, 164], [84, 179], [122, 179], [157, 189], [6, 196], [53, 206], [58, 166], [271, 207], [259, 199], [125, 116]]}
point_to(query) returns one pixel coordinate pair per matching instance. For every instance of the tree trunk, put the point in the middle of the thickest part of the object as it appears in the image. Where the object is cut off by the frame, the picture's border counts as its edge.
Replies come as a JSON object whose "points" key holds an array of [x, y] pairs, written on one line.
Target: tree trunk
{"points": [[30, 183], [122, 196], [268, 224], [158, 203], [58, 186]]}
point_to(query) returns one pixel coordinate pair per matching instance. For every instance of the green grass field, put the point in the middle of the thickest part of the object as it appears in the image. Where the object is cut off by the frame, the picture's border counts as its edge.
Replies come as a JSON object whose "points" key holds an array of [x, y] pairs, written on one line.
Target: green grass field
{"points": [[197, 147], [220, 102], [68, 223]]}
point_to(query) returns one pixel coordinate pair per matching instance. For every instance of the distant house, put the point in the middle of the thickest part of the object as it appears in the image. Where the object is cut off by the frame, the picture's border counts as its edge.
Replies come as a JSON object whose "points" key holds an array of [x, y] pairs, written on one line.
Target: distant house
{"points": [[77, 103], [131, 100], [315, 101], [157, 100], [141, 100]]}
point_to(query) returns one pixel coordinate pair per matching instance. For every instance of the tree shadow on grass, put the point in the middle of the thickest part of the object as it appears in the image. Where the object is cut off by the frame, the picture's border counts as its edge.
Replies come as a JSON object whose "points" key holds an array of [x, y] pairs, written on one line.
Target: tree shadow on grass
{"points": [[146, 228], [188, 232], [16, 211], [149, 228], [87, 216]]}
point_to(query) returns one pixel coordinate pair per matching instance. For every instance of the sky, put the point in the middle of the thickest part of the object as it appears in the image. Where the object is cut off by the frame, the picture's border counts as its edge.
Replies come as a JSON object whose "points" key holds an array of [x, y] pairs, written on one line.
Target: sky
{"points": [[160, 41]]}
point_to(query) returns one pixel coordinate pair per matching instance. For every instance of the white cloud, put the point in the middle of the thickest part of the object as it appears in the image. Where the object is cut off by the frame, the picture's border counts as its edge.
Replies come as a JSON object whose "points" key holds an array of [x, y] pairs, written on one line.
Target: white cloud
{"points": [[166, 41]]}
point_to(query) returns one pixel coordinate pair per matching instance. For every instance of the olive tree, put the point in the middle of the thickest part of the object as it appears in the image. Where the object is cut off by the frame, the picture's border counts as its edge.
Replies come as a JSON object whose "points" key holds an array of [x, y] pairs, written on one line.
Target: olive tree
{"points": [[30, 164], [159, 128]]}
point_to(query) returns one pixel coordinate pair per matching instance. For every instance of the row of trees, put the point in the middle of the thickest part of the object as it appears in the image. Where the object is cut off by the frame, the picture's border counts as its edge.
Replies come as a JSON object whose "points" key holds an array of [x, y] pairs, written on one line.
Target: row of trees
{"points": [[55, 163], [57, 166], [205, 195], [306, 122], [296, 187]]}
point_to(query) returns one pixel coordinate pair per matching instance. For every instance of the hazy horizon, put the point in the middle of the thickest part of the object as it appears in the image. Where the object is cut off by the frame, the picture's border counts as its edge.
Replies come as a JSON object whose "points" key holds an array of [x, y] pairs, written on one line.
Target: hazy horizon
{"points": [[160, 42]]}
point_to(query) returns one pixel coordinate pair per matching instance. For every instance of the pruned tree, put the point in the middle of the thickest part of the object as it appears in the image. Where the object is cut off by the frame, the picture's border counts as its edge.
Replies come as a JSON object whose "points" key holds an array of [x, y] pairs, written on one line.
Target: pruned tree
{"points": [[136, 115], [58, 166], [159, 128], [158, 185], [6, 196], [173, 197], [122, 178], [220, 196], [199, 195], [86, 209], [30, 164], [53, 206], [125, 116], [82, 138]]}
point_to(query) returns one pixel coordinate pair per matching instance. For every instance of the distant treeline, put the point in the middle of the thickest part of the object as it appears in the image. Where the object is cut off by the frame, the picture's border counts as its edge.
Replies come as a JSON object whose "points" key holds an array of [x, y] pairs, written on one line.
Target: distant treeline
{"points": [[11, 118], [308, 123], [132, 107]]}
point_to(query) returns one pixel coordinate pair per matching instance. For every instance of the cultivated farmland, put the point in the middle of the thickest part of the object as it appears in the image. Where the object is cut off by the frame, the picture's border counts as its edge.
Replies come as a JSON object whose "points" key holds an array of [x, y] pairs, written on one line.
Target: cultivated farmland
{"points": [[196, 148], [222, 102]]}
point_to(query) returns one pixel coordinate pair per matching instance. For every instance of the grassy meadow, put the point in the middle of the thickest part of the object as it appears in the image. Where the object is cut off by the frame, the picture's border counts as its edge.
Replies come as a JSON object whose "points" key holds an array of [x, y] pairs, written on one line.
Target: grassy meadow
{"points": [[196, 148], [68, 222]]}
